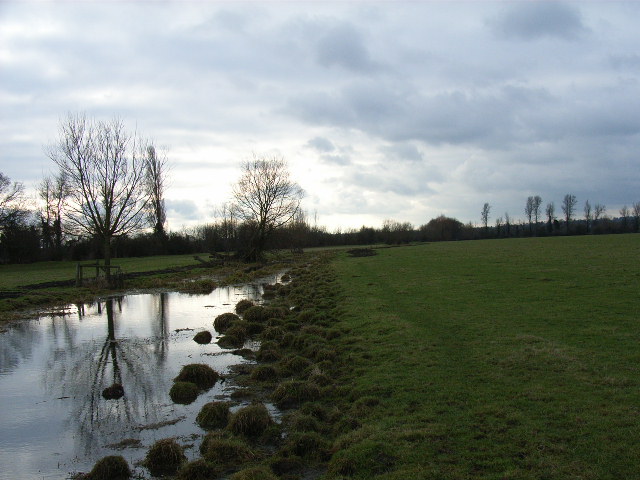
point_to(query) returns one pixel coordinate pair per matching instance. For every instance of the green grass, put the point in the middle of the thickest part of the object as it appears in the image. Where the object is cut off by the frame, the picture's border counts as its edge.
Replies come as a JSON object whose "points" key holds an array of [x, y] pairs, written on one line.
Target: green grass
{"points": [[16, 275], [498, 359]]}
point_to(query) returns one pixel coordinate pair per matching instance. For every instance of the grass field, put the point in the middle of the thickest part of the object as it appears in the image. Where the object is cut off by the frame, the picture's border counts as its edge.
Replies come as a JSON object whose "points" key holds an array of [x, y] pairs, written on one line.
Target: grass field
{"points": [[497, 359], [16, 275]]}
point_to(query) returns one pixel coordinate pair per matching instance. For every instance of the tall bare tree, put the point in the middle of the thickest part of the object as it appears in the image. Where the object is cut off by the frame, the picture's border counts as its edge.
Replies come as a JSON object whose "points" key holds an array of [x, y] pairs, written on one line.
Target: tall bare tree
{"points": [[537, 203], [528, 211], [636, 215], [598, 211], [105, 169], [568, 208], [484, 214], [155, 183], [587, 214], [624, 215], [551, 215], [265, 199], [12, 201], [54, 193]]}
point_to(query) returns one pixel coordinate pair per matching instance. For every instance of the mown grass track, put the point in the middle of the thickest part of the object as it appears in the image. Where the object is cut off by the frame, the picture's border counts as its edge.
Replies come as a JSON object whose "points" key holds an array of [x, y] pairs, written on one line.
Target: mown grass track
{"points": [[505, 359]]}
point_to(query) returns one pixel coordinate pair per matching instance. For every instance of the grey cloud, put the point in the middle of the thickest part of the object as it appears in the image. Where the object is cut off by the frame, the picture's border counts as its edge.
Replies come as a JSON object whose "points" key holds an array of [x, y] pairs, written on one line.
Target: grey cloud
{"points": [[343, 46], [625, 62], [321, 144], [537, 19], [186, 209], [403, 151], [336, 159]]}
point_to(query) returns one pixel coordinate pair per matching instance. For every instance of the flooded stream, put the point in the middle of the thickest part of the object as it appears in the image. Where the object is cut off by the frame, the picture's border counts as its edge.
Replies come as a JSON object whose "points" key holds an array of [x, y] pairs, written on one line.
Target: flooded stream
{"points": [[53, 418]]}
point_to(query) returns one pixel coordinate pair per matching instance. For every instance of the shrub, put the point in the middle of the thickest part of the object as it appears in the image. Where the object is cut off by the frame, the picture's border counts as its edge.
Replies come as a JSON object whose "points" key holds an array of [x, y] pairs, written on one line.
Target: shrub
{"points": [[164, 457], [268, 355], [268, 352], [250, 421], [198, 470], [294, 365], [230, 341], [255, 314], [283, 465], [264, 373], [113, 467], [213, 415], [254, 473], [202, 375], [227, 452], [300, 422], [307, 445], [203, 337], [369, 458], [291, 393], [254, 328], [273, 333], [275, 312], [184, 392], [243, 305], [224, 321], [320, 379], [239, 330], [114, 392]]}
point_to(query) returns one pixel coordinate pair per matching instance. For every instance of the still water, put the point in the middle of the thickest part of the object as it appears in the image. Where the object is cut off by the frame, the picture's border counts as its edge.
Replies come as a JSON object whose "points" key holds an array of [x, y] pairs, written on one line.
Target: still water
{"points": [[53, 419]]}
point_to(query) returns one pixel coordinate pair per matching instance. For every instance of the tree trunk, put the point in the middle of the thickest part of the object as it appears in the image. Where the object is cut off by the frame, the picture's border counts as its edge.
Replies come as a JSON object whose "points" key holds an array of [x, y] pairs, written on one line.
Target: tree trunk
{"points": [[107, 259]]}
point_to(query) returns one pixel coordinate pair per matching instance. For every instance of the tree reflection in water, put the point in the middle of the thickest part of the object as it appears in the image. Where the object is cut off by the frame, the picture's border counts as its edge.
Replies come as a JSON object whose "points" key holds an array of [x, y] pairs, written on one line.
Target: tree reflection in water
{"points": [[87, 368]]}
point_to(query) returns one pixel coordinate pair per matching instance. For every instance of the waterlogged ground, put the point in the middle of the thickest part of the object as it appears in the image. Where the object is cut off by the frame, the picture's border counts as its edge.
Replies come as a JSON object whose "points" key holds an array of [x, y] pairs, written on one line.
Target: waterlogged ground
{"points": [[53, 419]]}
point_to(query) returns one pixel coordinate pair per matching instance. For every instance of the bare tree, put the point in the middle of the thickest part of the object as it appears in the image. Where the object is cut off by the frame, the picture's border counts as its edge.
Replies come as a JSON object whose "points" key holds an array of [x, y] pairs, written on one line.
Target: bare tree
{"points": [[624, 215], [155, 183], [54, 193], [228, 226], [507, 224], [551, 215], [486, 208], [537, 203], [636, 215], [598, 211], [12, 201], [498, 226], [105, 169], [568, 208], [265, 199], [528, 211], [587, 214]]}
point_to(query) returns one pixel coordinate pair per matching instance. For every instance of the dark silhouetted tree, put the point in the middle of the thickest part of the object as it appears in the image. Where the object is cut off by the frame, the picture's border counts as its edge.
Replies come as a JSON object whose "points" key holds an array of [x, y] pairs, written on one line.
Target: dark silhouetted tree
{"points": [[105, 169], [624, 216], [155, 184], [636, 215], [551, 215], [265, 199], [54, 193], [484, 215], [568, 208], [12, 202], [587, 215]]}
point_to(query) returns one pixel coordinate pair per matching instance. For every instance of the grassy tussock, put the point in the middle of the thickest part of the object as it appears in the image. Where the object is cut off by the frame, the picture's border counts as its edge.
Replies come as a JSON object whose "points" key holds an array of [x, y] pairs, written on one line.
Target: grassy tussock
{"points": [[113, 467], [164, 457], [184, 393], [201, 374], [213, 415], [251, 421]]}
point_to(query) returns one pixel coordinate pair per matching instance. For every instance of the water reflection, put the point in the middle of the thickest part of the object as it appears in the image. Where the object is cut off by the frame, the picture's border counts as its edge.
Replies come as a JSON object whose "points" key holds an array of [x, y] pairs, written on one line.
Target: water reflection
{"points": [[79, 374], [53, 371]]}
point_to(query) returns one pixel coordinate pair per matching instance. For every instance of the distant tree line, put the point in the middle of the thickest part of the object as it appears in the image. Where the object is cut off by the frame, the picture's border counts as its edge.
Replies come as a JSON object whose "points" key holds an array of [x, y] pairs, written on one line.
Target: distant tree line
{"points": [[106, 200], [593, 219]]}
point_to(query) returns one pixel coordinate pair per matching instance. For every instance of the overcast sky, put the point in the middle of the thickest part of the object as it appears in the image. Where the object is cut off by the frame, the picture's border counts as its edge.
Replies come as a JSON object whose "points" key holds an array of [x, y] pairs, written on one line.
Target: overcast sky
{"points": [[384, 110]]}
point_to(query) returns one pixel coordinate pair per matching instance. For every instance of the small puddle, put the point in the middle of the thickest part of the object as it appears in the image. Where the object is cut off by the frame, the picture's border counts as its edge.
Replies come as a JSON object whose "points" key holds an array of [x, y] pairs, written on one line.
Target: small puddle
{"points": [[53, 418]]}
